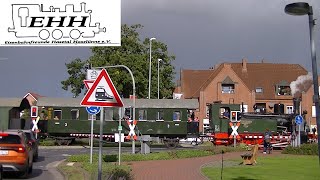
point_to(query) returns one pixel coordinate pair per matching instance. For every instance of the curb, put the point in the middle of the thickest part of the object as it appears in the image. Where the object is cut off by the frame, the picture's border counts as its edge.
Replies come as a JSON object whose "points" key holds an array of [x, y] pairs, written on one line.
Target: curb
{"points": [[63, 147], [52, 168]]}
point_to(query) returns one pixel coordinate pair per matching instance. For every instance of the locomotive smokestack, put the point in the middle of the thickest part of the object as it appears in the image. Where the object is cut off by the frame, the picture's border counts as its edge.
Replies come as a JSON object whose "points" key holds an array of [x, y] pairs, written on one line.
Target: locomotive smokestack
{"points": [[296, 105]]}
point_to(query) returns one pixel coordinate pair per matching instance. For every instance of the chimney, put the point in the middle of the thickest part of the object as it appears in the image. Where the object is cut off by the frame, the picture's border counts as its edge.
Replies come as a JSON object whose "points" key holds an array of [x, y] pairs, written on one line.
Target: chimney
{"points": [[244, 65], [296, 105]]}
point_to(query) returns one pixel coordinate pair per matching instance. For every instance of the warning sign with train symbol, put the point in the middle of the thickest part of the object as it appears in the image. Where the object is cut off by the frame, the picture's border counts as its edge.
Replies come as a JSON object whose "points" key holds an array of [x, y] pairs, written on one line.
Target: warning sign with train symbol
{"points": [[102, 93]]}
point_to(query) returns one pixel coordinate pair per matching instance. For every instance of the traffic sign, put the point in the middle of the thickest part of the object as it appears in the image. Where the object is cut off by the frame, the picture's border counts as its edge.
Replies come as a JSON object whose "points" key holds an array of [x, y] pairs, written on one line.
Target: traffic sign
{"points": [[35, 123], [299, 119], [102, 93], [234, 130], [119, 128], [93, 110], [131, 127], [34, 111], [88, 83]]}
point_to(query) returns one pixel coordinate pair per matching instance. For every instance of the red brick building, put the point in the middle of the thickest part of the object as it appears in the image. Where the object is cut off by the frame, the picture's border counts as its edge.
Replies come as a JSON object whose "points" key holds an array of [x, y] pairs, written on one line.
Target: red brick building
{"points": [[261, 84]]}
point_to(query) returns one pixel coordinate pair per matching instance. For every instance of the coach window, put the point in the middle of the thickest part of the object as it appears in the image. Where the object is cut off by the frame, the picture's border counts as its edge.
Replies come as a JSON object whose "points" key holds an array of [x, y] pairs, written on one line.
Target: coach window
{"points": [[143, 114], [57, 114], [159, 115], [75, 114], [176, 116]]}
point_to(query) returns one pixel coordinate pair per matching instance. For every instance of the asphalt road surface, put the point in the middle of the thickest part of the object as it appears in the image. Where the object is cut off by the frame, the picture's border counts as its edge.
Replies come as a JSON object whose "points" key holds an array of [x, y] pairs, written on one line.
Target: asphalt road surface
{"points": [[49, 157]]}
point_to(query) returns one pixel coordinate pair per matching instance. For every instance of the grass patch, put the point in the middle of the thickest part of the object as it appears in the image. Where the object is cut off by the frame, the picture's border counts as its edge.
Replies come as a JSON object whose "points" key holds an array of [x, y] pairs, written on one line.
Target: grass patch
{"points": [[285, 167], [71, 172]]}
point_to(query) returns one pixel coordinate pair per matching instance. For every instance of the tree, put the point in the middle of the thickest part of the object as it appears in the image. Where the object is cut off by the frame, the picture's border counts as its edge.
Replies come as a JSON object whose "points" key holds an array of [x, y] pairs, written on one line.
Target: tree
{"points": [[133, 53]]}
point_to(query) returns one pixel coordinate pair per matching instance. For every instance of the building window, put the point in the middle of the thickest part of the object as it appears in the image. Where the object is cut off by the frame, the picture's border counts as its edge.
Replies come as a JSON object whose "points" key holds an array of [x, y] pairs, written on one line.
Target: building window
{"points": [[283, 90], [207, 111], [259, 90], [75, 114], [143, 114], [245, 108], [313, 111], [289, 109], [176, 116], [57, 114], [227, 88]]}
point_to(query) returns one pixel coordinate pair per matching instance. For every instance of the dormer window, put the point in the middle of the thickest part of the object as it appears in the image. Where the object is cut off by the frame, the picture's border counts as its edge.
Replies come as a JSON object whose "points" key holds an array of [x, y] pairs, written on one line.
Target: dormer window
{"points": [[259, 90], [227, 86], [283, 91]]}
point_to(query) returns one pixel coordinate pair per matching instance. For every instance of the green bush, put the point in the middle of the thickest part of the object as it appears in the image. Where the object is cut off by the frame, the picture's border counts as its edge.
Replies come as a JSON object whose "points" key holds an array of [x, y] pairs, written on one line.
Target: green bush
{"points": [[304, 149], [110, 158], [110, 171]]}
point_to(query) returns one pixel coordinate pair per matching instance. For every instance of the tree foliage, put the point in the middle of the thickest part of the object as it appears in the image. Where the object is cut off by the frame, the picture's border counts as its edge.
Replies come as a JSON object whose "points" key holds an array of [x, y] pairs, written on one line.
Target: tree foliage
{"points": [[133, 53]]}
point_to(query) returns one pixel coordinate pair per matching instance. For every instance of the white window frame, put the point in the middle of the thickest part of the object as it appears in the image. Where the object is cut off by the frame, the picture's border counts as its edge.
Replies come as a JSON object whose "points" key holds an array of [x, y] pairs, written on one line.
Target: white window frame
{"points": [[313, 111], [245, 107], [259, 90], [291, 109]]}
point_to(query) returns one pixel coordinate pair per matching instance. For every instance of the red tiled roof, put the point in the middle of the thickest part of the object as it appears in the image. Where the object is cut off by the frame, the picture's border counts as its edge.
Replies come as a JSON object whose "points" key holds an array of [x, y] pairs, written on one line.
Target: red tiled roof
{"points": [[192, 81], [267, 76], [263, 75]]}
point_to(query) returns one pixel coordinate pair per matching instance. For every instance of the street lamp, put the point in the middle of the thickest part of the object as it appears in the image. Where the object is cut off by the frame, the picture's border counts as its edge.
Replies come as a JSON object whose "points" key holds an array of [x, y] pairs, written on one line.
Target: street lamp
{"points": [[158, 78], [150, 42], [298, 9]]}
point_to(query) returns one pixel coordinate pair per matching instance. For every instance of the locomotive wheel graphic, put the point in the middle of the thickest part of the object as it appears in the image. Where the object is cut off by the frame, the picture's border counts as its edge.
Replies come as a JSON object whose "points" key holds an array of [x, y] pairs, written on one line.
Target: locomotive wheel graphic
{"points": [[57, 34], [75, 34], [44, 34]]}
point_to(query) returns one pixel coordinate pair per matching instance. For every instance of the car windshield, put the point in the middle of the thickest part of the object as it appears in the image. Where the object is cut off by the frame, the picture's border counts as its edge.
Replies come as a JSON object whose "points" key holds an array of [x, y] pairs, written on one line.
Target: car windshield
{"points": [[10, 139]]}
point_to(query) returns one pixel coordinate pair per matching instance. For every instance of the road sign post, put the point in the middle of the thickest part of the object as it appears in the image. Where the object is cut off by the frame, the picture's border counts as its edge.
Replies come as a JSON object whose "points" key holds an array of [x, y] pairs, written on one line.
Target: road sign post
{"points": [[234, 126], [92, 110], [102, 93], [299, 120]]}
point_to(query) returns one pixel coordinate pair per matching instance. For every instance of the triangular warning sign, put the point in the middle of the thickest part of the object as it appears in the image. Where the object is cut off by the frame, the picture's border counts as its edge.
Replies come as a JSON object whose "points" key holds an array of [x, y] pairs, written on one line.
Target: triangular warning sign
{"points": [[102, 93], [88, 83]]}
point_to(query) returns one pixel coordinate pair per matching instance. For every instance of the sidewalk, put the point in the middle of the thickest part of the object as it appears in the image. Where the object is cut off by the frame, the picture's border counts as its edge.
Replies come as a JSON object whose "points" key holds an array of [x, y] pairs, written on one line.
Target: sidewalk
{"points": [[186, 169]]}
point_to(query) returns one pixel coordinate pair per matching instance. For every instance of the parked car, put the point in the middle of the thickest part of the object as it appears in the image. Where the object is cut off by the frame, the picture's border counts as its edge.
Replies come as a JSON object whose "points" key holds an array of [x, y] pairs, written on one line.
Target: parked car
{"points": [[16, 154], [32, 141]]}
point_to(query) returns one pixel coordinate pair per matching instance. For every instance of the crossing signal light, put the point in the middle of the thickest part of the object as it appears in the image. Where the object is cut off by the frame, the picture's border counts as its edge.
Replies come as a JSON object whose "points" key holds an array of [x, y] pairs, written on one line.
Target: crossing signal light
{"points": [[235, 116], [34, 111]]}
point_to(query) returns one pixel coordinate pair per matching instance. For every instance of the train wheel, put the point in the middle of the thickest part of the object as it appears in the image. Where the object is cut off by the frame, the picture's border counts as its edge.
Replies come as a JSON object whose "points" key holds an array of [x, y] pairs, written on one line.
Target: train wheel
{"points": [[171, 143]]}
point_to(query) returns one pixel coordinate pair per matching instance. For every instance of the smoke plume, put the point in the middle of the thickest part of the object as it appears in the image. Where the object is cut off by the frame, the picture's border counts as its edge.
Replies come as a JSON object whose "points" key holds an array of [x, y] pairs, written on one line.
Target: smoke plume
{"points": [[302, 84]]}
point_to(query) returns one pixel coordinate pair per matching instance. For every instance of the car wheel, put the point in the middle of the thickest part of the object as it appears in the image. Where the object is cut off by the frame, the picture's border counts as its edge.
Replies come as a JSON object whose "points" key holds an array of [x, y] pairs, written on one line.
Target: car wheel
{"points": [[35, 157], [30, 169], [25, 174]]}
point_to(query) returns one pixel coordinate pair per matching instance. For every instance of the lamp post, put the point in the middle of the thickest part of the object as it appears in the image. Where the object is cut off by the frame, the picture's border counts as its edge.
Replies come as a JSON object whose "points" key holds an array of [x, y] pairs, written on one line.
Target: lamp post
{"points": [[158, 78], [150, 42], [299, 9]]}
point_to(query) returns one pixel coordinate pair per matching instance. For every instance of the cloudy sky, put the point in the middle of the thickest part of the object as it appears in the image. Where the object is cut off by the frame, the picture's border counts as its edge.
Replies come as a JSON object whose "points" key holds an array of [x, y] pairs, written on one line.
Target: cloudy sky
{"points": [[201, 33]]}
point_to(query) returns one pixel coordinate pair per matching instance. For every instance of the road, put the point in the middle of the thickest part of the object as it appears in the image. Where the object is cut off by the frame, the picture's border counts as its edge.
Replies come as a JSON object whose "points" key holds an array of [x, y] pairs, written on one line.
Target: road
{"points": [[50, 156]]}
